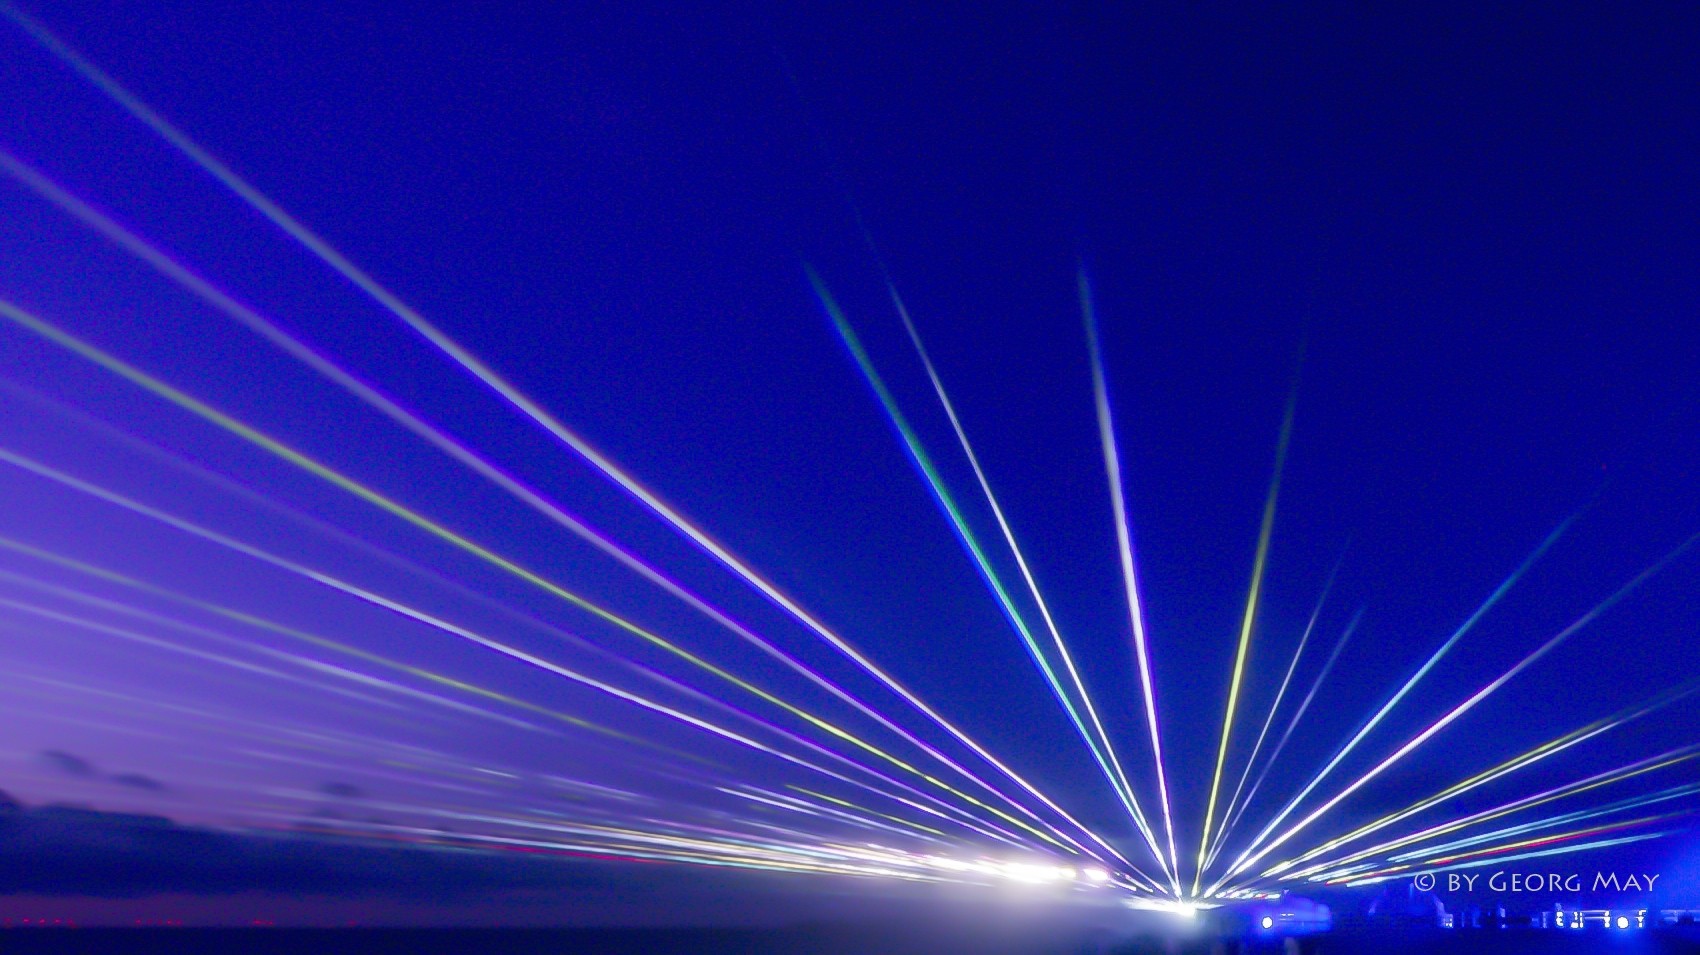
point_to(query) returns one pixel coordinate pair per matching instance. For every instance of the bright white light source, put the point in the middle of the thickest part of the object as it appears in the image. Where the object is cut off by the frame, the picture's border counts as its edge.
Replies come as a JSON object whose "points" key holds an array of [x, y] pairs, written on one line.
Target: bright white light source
{"points": [[1185, 910], [1623, 921], [1267, 922], [1096, 874], [1032, 872]]}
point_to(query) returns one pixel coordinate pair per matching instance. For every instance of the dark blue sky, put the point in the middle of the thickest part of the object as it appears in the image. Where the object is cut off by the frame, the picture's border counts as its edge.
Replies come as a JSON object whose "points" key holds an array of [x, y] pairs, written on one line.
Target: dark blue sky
{"points": [[1480, 224]]}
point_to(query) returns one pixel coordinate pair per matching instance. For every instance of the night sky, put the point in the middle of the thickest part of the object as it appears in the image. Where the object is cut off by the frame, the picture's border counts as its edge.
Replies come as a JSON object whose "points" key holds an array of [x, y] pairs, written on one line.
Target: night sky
{"points": [[1461, 242]]}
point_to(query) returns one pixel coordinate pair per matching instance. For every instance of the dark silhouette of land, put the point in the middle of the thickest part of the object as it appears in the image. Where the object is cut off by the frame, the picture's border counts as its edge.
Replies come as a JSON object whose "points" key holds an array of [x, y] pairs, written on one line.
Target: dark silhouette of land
{"points": [[884, 939]]}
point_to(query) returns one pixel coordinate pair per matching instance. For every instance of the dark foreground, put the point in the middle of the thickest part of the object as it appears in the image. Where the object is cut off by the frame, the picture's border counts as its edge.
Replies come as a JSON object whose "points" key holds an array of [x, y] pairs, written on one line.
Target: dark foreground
{"points": [[826, 940]]}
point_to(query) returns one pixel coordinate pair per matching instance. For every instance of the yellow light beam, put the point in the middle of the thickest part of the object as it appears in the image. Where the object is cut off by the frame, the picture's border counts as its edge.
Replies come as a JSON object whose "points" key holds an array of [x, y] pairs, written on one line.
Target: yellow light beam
{"points": [[1257, 567]]}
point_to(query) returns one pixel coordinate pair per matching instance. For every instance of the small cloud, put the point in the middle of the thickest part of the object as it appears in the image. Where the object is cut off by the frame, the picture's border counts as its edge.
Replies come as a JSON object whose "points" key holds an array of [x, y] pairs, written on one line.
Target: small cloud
{"points": [[342, 790], [67, 763], [138, 781]]}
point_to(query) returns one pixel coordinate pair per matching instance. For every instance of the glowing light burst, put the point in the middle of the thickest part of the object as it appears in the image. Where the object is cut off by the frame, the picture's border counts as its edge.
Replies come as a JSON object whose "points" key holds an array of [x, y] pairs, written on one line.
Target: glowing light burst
{"points": [[722, 766]]}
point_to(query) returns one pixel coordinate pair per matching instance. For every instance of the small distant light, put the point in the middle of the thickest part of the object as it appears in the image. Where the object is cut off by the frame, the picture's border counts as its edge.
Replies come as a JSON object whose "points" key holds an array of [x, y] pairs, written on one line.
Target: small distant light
{"points": [[1267, 922], [1623, 921]]}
